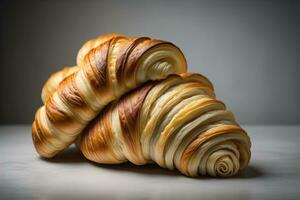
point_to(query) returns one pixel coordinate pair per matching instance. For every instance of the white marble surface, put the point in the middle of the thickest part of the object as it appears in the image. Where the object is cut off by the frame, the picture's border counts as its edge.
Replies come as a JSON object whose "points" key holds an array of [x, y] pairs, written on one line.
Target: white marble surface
{"points": [[274, 172]]}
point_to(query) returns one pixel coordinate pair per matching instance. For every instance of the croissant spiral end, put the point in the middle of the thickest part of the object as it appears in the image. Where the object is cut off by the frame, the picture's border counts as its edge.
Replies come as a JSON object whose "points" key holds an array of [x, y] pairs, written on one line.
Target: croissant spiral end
{"points": [[176, 123]]}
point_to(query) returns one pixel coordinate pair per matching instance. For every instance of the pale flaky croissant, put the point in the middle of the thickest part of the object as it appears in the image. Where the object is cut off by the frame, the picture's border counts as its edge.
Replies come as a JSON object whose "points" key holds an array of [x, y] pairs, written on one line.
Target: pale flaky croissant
{"points": [[176, 123], [108, 67]]}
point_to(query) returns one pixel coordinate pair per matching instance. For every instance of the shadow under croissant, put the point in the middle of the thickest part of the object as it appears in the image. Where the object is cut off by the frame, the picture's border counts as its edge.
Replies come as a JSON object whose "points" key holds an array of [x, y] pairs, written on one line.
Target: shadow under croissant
{"points": [[73, 155], [69, 156]]}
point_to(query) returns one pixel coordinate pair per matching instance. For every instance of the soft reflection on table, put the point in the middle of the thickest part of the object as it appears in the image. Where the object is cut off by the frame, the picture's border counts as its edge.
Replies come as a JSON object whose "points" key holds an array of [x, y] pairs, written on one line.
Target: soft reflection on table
{"points": [[274, 172]]}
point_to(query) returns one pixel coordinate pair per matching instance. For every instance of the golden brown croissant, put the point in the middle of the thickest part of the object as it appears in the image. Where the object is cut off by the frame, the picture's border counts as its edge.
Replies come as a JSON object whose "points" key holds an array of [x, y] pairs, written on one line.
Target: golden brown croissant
{"points": [[109, 66], [176, 123], [52, 83]]}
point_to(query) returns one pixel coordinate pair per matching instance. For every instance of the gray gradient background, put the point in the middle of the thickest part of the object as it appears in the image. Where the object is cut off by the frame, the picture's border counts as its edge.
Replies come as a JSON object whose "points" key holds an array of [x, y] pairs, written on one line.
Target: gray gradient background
{"points": [[249, 49]]}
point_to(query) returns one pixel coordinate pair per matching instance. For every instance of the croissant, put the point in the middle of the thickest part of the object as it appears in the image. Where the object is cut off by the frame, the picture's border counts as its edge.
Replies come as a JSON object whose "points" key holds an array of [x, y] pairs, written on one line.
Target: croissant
{"points": [[176, 123], [108, 67]]}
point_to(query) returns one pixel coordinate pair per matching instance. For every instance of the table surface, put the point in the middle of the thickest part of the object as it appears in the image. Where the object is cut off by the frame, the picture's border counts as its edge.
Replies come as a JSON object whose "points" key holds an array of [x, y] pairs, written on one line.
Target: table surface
{"points": [[273, 173]]}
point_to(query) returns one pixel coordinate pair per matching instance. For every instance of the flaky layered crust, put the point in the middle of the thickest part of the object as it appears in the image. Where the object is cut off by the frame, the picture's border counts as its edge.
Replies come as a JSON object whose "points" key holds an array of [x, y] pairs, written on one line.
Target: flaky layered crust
{"points": [[108, 67], [54, 80], [177, 123]]}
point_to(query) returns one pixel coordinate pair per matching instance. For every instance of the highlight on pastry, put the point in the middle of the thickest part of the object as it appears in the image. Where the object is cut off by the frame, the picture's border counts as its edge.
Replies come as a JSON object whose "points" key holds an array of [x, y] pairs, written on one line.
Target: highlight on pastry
{"points": [[176, 123], [108, 67]]}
